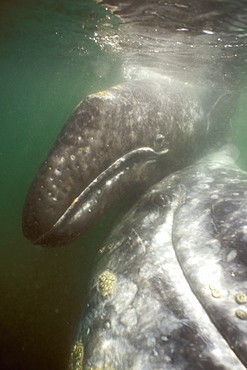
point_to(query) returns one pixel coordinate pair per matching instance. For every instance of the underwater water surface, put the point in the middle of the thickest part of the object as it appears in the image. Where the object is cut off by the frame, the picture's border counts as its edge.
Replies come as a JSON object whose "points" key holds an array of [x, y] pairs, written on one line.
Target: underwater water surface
{"points": [[49, 62]]}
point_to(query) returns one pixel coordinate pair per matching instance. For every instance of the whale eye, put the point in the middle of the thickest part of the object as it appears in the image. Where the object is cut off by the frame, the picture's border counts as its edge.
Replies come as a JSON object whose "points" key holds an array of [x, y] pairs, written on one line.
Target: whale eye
{"points": [[159, 142]]}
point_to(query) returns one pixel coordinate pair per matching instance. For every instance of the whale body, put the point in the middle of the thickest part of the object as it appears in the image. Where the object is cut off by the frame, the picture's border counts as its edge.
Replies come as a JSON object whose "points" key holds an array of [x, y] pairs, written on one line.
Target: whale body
{"points": [[169, 287]]}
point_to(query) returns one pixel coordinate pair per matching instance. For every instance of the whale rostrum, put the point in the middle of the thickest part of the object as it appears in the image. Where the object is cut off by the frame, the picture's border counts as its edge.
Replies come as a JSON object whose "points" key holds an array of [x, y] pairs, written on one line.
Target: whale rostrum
{"points": [[115, 145]]}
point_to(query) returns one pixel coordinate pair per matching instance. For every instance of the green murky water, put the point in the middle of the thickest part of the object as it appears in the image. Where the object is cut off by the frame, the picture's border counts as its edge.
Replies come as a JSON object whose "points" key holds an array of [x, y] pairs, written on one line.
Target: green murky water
{"points": [[49, 61]]}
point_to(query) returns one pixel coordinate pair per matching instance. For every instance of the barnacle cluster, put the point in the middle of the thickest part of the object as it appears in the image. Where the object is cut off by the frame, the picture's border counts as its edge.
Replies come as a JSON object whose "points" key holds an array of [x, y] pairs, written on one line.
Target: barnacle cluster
{"points": [[76, 356], [106, 283], [241, 298], [106, 248]]}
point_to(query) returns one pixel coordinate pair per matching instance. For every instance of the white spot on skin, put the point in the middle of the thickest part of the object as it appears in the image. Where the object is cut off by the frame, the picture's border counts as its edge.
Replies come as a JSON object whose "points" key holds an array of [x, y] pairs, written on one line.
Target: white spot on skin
{"points": [[208, 32], [57, 172], [108, 183], [230, 257], [208, 274], [203, 186], [244, 229]]}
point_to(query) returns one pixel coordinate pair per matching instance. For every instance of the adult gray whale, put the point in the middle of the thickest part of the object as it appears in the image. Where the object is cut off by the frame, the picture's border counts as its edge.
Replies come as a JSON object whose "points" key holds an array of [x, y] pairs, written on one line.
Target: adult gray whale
{"points": [[169, 288], [118, 143]]}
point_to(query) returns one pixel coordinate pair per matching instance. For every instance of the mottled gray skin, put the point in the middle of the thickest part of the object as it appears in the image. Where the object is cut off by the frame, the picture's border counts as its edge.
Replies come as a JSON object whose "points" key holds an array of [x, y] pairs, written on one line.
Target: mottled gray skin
{"points": [[116, 144], [179, 260]]}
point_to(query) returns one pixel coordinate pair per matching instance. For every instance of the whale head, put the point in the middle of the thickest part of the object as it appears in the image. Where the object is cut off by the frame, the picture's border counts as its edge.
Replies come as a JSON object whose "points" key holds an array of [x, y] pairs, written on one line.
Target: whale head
{"points": [[115, 145]]}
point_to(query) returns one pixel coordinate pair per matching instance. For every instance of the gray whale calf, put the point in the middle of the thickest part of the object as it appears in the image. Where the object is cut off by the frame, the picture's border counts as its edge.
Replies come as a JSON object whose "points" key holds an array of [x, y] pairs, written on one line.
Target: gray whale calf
{"points": [[169, 287]]}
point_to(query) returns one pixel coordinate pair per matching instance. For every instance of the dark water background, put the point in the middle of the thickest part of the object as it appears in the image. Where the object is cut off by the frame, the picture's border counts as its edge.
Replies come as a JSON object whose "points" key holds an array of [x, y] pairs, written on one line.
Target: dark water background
{"points": [[49, 61]]}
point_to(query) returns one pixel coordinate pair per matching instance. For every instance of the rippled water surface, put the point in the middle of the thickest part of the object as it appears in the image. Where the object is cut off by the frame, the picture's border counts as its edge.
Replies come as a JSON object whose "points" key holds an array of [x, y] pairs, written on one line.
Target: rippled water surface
{"points": [[53, 54], [188, 39]]}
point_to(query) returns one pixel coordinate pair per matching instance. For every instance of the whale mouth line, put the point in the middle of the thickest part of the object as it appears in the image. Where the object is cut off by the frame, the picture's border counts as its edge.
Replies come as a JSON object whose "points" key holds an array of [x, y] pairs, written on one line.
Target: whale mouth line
{"points": [[92, 193]]}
